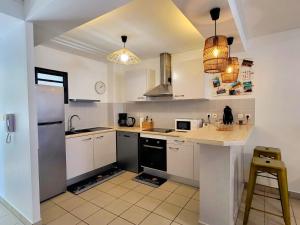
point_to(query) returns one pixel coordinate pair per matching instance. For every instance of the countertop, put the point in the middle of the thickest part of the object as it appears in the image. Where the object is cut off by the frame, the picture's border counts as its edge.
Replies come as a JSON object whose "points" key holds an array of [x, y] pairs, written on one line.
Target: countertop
{"points": [[206, 135]]}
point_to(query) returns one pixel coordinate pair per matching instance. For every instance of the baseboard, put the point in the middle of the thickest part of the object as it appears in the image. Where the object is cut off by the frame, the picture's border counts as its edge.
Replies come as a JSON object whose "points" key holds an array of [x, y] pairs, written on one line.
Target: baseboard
{"points": [[19, 215]]}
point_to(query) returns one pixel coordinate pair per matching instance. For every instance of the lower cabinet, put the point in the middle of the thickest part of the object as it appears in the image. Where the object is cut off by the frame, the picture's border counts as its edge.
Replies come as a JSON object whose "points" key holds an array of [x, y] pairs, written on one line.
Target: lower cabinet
{"points": [[180, 158], [79, 156], [196, 161], [90, 152], [104, 149]]}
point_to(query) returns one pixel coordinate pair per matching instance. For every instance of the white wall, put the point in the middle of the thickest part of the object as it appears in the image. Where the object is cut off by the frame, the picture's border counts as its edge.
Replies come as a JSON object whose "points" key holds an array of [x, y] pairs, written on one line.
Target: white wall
{"points": [[80, 70], [19, 160], [276, 58]]}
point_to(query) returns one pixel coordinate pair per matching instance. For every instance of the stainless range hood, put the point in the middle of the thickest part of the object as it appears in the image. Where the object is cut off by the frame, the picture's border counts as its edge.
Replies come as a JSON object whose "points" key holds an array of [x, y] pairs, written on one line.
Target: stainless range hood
{"points": [[164, 89]]}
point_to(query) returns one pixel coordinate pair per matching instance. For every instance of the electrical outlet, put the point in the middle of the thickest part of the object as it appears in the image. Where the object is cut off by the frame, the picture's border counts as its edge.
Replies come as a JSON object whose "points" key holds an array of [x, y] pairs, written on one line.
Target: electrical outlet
{"points": [[208, 115], [215, 116], [240, 116], [248, 116]]}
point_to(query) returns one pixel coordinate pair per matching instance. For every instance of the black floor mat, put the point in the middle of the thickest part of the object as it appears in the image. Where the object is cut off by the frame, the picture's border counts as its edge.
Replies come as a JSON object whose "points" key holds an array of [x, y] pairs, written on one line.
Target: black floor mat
{"points": [[88, 183], [150, 180]]}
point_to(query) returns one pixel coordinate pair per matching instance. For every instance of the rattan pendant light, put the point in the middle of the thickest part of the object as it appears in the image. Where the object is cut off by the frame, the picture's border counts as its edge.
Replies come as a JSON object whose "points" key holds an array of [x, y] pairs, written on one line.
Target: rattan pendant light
{"points": [[215, 51], [123, 55], [231, 73]]}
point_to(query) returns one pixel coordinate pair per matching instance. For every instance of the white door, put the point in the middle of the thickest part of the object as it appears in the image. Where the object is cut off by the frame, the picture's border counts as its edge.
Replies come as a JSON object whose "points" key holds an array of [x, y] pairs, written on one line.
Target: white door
{"points": [[188, 80], [79, 155], [196, 161], [104, 149], [180, 159]]}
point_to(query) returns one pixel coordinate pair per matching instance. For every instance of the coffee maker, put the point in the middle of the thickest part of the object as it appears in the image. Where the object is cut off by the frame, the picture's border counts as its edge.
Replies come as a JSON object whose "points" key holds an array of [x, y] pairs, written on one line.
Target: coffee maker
{"points": [[125, 121]]}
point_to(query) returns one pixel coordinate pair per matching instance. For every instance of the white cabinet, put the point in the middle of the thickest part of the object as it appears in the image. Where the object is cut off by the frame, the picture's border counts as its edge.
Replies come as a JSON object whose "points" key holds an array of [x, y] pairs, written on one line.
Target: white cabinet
{"points": [[104, 149], [188, 80], [90, 152], [196, 161], [180, 158], [79, 154], [137, 83]]}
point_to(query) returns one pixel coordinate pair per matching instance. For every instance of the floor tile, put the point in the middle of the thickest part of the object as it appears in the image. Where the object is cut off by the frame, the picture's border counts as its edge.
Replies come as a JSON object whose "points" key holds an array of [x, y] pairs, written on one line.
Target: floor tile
{"points": [[90, 194], [103, 200], [132, 197], [186, 191], [120, 221], [196, 196], [174, 223], [3, 211], [66, 219], [193, 205], [178, 200], [101, 217], [135, 214], [130, 184], [168, 210], [169, 186], [9, 219], [72, 203], [46, 205], [52, 214], [156, 219], [275, 220], [85, 210], [255, 218], [118, 206], [82, 223], [128, 175], [117, 180], [159, 194], [295, 203], [118, 191], [258, 202], [106, 186], [148, 203], [187, 217], [63, 197], [144, 189]]}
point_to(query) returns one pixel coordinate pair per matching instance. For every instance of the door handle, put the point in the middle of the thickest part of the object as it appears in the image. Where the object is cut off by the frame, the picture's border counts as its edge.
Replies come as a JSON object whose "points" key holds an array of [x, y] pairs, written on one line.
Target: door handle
{"points": [[125, 135], [88, 139], [151, 146], [172, 148]]}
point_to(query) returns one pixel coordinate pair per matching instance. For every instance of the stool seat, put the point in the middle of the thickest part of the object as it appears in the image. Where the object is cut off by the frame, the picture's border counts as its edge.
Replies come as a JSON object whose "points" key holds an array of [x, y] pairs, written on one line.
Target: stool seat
{"points": [[266, 164], [269, 152]]}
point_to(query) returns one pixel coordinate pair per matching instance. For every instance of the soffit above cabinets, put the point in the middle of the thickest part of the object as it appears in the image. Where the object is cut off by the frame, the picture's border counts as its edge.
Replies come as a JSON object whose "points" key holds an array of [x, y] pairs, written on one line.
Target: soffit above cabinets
{"points": [[152, 27]]}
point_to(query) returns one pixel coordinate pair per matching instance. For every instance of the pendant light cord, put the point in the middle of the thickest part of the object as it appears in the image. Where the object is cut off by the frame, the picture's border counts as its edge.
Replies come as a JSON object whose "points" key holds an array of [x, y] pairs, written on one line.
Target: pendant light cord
{"points": [[215, 28]]}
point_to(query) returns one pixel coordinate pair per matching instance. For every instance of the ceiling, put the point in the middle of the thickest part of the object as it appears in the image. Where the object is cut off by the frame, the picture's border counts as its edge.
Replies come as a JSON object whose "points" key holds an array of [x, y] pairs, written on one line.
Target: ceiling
{"points": [[263, 17], [152, 27]]}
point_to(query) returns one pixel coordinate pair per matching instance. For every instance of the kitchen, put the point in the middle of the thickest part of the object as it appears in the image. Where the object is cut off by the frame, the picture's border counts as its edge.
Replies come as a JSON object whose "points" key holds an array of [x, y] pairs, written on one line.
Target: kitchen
{"points": [[156, 142]]}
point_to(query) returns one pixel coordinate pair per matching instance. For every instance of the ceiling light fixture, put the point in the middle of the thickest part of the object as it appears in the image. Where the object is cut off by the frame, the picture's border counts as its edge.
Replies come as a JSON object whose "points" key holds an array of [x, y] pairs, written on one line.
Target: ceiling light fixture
{"points": [[123, 55], [215, 51], [231, 73]]}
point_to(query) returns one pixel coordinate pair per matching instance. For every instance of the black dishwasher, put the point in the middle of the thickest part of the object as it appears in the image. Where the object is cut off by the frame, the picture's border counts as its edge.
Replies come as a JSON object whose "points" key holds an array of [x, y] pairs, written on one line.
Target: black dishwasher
{"points": [[128, 151]]}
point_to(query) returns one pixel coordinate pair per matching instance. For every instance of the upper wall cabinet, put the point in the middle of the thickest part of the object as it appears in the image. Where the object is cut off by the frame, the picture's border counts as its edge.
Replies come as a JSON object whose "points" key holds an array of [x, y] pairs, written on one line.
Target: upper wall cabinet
{"points": [[188, 80], [82, 84], [137, 83]]}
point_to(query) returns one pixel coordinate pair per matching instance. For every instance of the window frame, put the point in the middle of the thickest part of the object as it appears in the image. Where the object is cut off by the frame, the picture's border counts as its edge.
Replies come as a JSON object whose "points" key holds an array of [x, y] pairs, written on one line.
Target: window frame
{"points": [[62, 74]]}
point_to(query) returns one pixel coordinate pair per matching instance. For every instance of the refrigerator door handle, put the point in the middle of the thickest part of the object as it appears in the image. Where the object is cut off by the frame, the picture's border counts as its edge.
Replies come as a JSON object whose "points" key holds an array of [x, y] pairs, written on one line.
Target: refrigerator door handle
{"points": [[50, 123]]}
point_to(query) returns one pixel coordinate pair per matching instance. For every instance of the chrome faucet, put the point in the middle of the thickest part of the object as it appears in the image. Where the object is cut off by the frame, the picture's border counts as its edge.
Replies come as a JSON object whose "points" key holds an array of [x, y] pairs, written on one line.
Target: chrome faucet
{"points": [[71, 128]]}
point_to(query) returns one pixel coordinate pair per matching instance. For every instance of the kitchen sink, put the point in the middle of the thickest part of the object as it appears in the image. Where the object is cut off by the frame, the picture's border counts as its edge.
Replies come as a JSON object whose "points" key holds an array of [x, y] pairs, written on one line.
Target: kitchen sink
{"points": [[86, 130]]}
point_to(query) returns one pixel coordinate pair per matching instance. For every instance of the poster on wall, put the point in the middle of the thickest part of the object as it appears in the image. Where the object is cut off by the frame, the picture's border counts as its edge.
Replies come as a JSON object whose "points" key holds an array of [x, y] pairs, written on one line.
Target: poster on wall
{"points": [[242, 86]]}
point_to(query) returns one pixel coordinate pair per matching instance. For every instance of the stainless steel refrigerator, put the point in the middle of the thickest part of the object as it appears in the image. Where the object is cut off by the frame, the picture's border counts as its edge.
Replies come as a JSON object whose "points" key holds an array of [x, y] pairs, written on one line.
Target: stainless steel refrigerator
{"points": [[51, 136]]}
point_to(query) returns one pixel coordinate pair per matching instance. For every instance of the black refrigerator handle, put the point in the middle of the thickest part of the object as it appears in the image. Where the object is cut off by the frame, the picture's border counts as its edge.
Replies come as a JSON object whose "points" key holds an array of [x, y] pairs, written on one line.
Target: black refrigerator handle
{"points": [[50, 123]]}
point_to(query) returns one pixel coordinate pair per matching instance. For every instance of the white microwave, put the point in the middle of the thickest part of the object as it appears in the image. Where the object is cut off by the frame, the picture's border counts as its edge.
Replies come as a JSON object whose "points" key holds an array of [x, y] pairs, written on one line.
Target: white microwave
{"points": [[186, 124]]}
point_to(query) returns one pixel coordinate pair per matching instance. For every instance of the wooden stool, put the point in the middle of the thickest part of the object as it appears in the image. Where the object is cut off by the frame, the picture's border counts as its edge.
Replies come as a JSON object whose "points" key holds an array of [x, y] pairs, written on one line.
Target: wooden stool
{"points": [[271, 166], [268, 152]]}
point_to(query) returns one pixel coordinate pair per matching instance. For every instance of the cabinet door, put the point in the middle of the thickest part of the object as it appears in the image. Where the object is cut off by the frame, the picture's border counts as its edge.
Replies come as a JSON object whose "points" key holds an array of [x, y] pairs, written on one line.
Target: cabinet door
{"points": [[180, 159], [104, 149], [196, 161], [79, 152], [188, 80], [137, 83]]}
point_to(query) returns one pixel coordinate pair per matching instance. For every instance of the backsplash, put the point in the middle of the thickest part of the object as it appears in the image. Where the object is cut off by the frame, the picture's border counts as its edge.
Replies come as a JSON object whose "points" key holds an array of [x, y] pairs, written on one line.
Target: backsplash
{"points": [[164, 113]]}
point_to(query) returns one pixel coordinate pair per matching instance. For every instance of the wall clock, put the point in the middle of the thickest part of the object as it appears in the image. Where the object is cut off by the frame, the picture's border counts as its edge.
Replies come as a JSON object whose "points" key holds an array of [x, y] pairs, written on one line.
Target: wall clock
{"points": [[100, 87]]}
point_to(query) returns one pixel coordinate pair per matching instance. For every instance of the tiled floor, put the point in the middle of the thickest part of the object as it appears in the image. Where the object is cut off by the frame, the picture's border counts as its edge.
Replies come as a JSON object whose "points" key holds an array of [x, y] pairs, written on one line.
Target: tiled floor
{"points": [[122, 201]]}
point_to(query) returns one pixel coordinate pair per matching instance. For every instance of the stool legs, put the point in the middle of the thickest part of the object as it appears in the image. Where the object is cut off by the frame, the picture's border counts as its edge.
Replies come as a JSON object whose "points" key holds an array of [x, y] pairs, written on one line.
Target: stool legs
{"points": [[250, 191], [283, 188]]}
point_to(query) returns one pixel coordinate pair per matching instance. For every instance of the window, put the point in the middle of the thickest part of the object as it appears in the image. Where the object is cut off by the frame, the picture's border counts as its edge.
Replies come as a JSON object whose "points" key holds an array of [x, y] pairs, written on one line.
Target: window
{"points": [[52, 78]]}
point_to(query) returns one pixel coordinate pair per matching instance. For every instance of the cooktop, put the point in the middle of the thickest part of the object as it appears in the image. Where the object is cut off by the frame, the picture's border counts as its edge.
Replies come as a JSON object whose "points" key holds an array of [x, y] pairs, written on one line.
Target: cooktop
{"points": [[161, 130]]}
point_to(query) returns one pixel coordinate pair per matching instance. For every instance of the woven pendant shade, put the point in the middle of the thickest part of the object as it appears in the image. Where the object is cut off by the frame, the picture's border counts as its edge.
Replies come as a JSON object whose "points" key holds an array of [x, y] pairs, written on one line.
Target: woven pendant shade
{"points": [[232, 71], [123, 56], [215, 54]]}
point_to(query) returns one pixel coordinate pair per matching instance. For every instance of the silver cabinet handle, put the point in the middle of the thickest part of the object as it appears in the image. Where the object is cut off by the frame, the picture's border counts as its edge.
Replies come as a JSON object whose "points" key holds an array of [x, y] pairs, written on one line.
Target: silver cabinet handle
{"points": [[88, 139], [172, 148], [141, 97], [178, 95], [99, 137], [180, 141]]}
